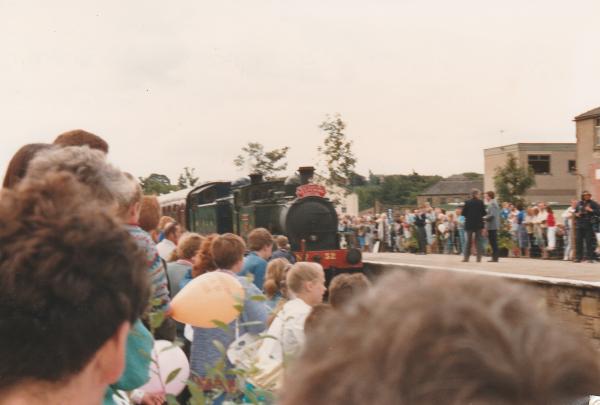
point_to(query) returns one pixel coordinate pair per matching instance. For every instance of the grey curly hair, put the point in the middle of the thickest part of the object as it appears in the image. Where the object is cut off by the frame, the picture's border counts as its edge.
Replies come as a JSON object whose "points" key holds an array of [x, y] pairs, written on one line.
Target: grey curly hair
{"points": [[105, 182]]}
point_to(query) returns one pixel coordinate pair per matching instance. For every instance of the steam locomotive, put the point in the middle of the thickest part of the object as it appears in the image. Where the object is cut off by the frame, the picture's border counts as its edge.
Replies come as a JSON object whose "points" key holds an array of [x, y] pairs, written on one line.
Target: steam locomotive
{"points": [[293, 207]]}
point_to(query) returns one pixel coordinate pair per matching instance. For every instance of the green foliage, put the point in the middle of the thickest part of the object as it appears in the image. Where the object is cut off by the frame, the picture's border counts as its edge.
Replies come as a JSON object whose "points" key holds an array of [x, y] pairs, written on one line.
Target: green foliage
{"points": [[157, 184], [187, 179], [473, 175], [512, 181], [337, 152], [255, 159], [398, 189]]}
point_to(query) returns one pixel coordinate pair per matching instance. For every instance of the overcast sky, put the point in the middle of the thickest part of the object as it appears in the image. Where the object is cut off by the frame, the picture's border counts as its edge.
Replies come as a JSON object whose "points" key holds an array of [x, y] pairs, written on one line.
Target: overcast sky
{"points": [[423, 85]]}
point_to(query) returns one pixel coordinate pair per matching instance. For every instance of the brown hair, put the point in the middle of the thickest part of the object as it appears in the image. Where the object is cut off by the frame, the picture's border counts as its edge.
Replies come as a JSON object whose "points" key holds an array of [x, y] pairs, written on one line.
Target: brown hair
{"points": [[70, 276], [259, 238], [491, 194], [282, 242], [17, 167], [274, 276], [149, 213], [344, 287], [170, 229], [164, 221], [79, 137], [302, 272], [204, 261], [443, 339], [314, 320], [188, 245], [227, 250]]}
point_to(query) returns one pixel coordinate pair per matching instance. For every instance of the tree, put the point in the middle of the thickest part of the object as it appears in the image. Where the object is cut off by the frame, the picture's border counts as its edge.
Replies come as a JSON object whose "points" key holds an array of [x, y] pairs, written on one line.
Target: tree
{"points": [[256, 160], [512, 181], [398, 189], [337, 152], [157, 184], [187, 179]]}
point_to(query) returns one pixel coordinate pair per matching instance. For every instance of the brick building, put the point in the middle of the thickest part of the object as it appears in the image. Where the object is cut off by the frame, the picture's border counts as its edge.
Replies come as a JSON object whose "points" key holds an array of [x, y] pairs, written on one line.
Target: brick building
{"points": [[554, 165]]}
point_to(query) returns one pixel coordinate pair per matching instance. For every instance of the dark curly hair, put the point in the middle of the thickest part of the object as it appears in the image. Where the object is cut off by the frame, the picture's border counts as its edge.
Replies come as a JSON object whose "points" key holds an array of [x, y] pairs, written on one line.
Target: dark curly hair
{"points": [[70, 275]]}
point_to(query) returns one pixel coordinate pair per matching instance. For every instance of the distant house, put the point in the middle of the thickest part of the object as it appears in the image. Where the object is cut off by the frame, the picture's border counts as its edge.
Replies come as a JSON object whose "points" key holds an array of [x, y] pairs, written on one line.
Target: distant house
{"points": [[554, 165], [450, 191]]}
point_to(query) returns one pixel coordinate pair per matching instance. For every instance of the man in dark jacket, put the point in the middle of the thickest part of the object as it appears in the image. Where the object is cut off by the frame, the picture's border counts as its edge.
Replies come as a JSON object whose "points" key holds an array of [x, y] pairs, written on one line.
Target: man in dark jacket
{"points": [[473, 211], [586, 213]]}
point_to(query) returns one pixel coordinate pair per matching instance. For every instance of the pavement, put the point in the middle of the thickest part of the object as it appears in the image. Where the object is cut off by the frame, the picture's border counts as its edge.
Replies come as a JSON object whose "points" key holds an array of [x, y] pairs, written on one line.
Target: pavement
{"points": [[554, 271]]}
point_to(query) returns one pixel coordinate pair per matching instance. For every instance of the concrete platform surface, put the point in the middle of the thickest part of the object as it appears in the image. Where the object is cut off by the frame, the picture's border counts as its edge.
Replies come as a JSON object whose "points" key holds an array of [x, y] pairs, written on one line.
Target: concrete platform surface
{"points": [[553, 271]]}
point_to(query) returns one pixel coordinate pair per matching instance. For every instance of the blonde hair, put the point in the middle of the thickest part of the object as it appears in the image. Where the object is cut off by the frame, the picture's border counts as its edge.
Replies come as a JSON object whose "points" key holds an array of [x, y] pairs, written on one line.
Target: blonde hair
{"points": [[275, 275], [303, 272]]}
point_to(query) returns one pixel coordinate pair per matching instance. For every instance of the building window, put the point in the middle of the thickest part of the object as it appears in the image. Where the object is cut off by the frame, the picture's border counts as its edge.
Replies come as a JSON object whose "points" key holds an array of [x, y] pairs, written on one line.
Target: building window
{"points": [[572, 166], [443, 200], [539, 163], [429, 200], [597, 132]]}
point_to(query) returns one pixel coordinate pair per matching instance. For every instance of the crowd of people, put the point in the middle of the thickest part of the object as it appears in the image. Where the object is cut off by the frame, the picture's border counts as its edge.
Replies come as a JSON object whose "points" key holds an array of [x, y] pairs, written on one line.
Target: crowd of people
{"points": [[513, 230], [86, 261]]}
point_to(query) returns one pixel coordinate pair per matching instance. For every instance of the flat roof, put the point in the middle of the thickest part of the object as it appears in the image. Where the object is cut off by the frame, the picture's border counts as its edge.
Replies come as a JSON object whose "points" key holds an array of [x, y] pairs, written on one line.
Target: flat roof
{"points": [[533, 146]]}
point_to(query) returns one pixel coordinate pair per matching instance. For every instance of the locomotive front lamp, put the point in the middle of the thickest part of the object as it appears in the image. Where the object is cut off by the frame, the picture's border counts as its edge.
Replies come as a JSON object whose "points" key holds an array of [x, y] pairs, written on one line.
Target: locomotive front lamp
{"points": [[313, 238]]}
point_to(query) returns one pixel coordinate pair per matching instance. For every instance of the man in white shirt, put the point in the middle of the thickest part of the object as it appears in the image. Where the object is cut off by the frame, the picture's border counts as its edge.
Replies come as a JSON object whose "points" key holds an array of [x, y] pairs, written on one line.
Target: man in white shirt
{"points": [[167, 246]]}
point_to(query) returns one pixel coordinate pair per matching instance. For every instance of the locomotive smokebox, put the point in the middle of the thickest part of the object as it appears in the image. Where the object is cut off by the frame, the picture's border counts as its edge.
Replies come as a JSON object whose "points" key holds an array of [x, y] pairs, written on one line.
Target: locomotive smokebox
{"points": [[306, 174], [256, 178]]}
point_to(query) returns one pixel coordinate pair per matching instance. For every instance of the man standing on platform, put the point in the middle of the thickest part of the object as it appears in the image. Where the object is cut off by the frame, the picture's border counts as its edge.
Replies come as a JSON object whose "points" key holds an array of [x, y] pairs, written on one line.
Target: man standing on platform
{"points": [[586, 213], [492, 220], [473, 211]]}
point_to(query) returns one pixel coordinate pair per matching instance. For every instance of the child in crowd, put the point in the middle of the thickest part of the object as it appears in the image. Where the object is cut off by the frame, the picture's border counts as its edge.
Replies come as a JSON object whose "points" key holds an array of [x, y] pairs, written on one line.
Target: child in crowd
{"points": [[283, 250], [260, 243], [228, 255], [275, 279], [345, 287], [307, 283]]}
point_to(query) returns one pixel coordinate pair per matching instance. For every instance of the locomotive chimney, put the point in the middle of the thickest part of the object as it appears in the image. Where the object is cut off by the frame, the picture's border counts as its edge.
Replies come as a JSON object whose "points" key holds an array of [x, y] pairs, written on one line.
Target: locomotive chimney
{"points": [[306, 173], [256, 178]]}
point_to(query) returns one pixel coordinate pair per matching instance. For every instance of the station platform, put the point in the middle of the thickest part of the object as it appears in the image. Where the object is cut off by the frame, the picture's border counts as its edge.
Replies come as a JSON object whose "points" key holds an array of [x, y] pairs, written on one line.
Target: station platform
{"points": [[551, 271]]}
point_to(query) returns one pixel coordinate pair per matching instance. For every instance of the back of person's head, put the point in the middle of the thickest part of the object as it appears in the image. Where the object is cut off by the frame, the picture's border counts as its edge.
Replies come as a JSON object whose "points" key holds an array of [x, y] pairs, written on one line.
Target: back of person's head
{"points": [[344, 287], [282, 242], [188, 245], [129, 204], [276, 270], [164, 221], [475, 193], [79, 137], [17, 167], [149, 213], [443, 339], [227, 250], [71, 279], [204, 260], [104, 182], [301, 273], [314, 320], [259, 238], [171, 231]]}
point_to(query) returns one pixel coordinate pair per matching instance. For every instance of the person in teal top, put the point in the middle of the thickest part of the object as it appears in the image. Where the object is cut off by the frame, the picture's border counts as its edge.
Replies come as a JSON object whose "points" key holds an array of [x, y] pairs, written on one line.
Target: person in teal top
{"points": [[137, 362]]}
